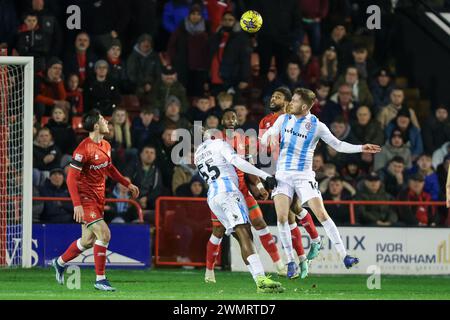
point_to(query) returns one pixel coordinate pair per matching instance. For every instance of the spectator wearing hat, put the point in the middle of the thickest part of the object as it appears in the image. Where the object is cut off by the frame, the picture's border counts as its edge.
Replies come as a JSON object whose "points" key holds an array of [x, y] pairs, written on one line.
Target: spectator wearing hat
{"points": [[32, 41], [62, 130], [329, 65], [195, 188], [411, 134], [143, 66], [175, 11], [168, 85], [117, 69], [81, 60], [188, 50], [365, 128], [420, 215], [379, 215], [56, 211], [395, 146], [101, 92], [437, 129], [393, 176], [230, 52], [360, 90], [50, 89], [342, 44], [146, 175], [390, 111], [381, 89], [425, 168], [337, 192], [74, 94], [172, 115], [341, 104]]}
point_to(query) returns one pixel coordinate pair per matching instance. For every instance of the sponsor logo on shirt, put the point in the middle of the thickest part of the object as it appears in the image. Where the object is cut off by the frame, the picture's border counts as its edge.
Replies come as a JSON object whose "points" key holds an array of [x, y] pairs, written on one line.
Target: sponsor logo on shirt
{"points": [[100, 166]]}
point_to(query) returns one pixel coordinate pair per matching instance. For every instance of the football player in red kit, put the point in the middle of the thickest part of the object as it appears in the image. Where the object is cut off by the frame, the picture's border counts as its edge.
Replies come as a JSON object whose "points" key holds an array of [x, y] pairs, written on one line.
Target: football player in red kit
{"points": [[278, 102], [91, 163], [241, 144]]}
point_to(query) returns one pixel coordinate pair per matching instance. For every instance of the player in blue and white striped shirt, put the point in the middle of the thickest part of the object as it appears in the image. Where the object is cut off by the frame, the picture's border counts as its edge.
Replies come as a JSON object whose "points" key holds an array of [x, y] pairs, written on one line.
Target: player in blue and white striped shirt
{"points": [[299, 132]]}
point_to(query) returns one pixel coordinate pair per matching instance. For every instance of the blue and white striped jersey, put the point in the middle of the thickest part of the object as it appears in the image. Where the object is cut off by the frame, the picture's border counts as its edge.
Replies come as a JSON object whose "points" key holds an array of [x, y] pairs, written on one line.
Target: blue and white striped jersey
{"points": [[213, 160], [298, 141]]}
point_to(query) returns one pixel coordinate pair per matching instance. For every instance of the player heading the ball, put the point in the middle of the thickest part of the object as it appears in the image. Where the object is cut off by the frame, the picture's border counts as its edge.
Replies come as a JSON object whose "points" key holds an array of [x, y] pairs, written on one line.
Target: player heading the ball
{"points": [[215, 160], [299, 132]]}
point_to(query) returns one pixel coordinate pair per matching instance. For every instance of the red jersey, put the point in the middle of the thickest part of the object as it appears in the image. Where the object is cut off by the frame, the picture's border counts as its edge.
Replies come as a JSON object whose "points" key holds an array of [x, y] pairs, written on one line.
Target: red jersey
{"points": [[265, 124], [241, 144], [93, 161]]}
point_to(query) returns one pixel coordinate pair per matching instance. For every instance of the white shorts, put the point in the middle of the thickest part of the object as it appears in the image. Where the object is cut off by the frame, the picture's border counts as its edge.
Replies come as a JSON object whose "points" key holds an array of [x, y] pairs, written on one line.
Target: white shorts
{"points": [[230, 208], [290, 182]]}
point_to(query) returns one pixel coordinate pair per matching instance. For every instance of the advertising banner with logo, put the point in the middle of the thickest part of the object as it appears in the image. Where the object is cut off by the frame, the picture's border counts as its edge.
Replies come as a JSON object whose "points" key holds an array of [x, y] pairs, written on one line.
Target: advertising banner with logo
{"points": [[413, 251], [129, 247]]}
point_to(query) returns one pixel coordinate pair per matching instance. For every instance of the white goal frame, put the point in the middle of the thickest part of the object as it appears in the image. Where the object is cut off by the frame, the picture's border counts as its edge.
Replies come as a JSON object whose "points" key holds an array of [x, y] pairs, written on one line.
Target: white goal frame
{"points": [[27, 196]]}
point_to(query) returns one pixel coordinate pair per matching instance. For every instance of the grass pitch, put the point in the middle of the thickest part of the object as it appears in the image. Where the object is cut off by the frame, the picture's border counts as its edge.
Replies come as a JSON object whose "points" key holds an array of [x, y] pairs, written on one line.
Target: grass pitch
{"points": [[180, 284]]}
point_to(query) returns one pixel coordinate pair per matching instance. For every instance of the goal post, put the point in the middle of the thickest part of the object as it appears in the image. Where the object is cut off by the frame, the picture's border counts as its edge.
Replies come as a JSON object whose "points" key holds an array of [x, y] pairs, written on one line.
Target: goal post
{"points": [[16, 161]]}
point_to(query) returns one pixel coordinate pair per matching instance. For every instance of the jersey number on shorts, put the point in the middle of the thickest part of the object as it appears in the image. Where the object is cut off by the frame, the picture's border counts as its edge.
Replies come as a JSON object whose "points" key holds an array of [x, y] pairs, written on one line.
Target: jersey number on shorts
{"points": [[206, 172]]}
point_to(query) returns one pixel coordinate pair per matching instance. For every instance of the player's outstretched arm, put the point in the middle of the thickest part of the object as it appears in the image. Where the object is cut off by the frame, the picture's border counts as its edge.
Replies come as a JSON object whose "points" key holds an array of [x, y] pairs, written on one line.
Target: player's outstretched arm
{"points": [[114, 174], [342, 146]]}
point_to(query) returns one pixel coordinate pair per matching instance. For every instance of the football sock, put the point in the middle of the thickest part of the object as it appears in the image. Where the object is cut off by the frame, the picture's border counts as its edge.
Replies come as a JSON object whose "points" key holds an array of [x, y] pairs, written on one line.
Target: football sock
{"points": [[297, 239], [249, 267], [100, 259], [256, 266], [268, 243], [286, 240], [71, 253], [212, 250], [308, 223], [333, 234]]}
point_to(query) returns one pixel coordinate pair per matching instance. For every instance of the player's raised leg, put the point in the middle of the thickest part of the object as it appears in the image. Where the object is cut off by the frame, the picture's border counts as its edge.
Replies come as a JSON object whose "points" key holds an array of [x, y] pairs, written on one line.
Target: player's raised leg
{"points": [[74, 250], [316, 205], [307, 222], [103, 236], [212, 250], [282, 203]]}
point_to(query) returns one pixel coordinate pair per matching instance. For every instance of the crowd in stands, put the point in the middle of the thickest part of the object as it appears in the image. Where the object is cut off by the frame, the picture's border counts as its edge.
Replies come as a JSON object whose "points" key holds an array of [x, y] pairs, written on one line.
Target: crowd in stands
{"points": [[152, 67]]}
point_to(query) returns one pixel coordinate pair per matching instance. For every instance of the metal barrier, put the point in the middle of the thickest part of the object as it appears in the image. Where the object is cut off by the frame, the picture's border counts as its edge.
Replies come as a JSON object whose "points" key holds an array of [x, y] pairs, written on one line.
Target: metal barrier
{"points": [[110, 200], [198, 210]]}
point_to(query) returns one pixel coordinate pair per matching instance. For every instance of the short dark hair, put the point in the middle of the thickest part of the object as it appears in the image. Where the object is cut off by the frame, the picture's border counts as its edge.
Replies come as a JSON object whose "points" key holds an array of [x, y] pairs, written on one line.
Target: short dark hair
{"points": [[285, 92], [397, 159], [148, 146], [90, 119], [30, 13], [339, 119], [228, 110]]}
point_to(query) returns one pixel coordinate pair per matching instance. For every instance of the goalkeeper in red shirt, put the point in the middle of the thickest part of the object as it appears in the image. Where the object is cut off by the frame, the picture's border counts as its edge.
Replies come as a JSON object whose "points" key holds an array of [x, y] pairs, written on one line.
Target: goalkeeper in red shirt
{"points": [[91, 163]]}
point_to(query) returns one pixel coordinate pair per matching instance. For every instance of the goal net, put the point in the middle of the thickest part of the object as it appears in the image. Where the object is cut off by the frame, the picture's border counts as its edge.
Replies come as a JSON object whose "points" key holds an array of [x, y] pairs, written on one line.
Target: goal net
{"points": [[16, 138]]}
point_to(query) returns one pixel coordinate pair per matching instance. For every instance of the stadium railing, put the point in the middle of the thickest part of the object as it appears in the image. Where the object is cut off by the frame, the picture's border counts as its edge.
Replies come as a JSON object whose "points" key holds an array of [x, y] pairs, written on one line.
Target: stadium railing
{"points": [[184, 221], [107, 200]]}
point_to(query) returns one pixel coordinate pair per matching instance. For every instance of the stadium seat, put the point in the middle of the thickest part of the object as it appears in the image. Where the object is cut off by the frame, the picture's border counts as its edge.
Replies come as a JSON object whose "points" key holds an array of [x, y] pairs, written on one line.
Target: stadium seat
{"points": [[44, 121]]}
